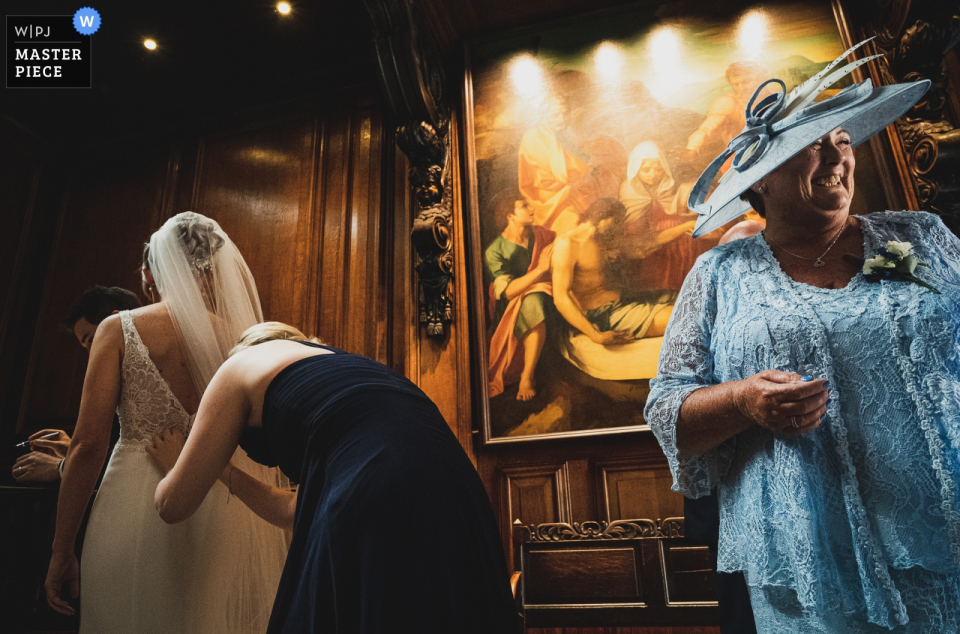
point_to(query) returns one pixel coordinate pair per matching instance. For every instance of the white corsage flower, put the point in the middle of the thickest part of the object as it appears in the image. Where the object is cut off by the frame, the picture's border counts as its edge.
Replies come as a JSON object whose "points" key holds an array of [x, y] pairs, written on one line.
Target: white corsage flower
{"points": [[877, 262], [898, 249], [896, 263]]}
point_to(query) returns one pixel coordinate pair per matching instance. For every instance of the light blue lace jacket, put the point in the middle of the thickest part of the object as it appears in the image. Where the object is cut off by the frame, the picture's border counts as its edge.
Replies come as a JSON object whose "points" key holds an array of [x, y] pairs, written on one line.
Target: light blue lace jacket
{"points": [[828, 513]]}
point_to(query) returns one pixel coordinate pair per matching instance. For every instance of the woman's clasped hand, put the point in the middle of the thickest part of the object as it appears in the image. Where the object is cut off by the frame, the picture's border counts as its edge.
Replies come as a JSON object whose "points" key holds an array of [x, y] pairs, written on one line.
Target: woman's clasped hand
{"points": [[784, 402]]}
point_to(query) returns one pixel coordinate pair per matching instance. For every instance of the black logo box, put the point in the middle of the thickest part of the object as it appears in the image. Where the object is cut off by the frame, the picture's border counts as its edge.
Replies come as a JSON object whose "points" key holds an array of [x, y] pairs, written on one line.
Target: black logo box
{"points": [[31, 38]]}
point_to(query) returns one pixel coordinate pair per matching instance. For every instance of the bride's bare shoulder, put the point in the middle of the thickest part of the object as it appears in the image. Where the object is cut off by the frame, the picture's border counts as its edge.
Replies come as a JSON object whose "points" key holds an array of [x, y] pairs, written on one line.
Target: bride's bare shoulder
{"points": [[151, 310], [152, 318], [109, 335]]}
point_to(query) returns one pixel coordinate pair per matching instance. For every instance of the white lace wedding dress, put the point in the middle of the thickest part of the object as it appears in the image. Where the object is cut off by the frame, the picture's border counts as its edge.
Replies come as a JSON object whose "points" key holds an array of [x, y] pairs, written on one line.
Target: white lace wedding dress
{"points": [[215, 573]]}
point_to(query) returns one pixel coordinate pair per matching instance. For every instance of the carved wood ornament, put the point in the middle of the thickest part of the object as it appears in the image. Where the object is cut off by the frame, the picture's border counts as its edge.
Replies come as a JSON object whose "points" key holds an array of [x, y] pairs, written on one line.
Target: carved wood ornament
{"points": [[671, 527], [916, 37], [412, 78]]}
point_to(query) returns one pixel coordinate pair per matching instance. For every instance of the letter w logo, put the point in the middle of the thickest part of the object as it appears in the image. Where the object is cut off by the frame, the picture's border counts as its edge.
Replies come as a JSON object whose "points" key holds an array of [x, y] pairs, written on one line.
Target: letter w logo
{"points": [[86, 20]]}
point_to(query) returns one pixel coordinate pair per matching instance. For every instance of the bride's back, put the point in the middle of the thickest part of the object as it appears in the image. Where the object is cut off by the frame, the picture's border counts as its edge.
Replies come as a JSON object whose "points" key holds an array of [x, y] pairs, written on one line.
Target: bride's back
{"points": [[158, 334]]}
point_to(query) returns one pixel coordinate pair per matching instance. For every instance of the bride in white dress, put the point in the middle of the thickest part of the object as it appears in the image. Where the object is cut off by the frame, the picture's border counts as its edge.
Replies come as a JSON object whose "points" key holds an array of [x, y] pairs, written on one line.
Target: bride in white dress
{"points": [[217, 573]]}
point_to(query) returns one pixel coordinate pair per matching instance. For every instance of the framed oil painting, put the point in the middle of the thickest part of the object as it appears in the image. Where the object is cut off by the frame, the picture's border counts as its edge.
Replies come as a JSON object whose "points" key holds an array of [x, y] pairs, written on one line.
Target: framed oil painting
{"points": [[582, 142]]}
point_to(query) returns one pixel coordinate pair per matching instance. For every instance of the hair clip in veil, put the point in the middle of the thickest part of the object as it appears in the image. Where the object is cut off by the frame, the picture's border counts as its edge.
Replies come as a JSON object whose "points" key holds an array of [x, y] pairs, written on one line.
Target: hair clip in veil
{"points": [[202, 266]]}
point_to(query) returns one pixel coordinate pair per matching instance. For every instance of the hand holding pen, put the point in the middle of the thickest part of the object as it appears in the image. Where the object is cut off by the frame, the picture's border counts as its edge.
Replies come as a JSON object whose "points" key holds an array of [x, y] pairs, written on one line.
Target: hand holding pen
{"points": [[42, 464], [49, 441]]}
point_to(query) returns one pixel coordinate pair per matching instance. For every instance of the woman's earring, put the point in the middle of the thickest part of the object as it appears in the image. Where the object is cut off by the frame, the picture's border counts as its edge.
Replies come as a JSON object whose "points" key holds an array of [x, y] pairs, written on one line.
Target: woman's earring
{"points": [[760, 189], [150, 288]]}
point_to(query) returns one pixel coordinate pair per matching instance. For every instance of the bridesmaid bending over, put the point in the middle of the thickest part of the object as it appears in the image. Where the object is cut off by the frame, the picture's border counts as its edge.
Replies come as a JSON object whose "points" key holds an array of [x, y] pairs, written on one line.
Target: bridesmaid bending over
{"points": [[392, 527]]}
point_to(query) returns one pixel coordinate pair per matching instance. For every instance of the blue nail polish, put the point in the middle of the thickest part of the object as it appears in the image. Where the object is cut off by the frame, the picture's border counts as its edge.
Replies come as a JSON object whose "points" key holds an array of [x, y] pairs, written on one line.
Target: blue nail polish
{"points": [[823, 417], [807, 378], [826, 385]]}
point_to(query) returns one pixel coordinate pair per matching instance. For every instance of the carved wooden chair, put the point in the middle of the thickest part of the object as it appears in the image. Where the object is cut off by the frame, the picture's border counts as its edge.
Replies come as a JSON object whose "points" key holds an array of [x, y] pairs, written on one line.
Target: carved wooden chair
{"points": [[622, 573]]}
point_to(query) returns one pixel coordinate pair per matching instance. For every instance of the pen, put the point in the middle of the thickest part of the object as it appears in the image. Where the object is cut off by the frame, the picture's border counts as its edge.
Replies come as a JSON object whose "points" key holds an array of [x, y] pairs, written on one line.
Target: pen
{"points": [[27, 442]]}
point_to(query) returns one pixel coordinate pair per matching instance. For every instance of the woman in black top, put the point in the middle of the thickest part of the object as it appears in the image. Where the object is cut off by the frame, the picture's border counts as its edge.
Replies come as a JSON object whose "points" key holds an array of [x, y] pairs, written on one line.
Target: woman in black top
{"points": [[393, 530]]}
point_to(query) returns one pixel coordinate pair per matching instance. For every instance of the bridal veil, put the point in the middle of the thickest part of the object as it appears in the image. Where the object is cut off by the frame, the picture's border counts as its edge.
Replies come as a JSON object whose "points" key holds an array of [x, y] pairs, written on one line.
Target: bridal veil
{"points": [[207, 287]]}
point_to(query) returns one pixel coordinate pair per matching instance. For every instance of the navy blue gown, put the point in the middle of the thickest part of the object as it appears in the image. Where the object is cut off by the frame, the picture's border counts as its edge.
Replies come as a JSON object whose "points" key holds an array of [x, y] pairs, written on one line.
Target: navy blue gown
{"points": [[394, 531]]}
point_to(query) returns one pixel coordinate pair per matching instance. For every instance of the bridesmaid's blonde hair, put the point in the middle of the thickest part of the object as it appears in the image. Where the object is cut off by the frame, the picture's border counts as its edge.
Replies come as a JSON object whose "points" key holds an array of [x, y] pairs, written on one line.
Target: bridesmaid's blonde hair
{"points": [[268, 331]]}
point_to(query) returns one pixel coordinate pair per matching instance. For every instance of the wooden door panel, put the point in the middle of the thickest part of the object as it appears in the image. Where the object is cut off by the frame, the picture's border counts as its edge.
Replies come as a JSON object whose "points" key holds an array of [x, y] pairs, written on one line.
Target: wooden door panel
{"points": [[632, 491], [688, 573], [533, 495], [251, 181]]}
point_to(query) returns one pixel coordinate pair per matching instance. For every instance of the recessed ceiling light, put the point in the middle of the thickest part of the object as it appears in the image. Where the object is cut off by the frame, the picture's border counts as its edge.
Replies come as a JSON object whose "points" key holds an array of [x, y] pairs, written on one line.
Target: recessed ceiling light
{"points": [[283, 7], [150, 44]]}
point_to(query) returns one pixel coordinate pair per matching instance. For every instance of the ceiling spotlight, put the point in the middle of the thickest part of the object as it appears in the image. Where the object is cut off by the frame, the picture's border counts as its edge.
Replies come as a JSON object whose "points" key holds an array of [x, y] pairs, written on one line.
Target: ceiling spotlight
{"points": [[150, 44], [283, 7]]}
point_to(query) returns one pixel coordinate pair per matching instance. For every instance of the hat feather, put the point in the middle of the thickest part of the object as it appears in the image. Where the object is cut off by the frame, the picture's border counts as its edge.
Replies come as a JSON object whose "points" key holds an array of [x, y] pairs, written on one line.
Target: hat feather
{"points": [[804, 94]]}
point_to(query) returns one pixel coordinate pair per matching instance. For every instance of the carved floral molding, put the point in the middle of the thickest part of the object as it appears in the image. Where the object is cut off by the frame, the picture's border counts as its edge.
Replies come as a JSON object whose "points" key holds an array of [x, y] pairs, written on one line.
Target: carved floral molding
{"points": [[671, 527], [412, 77]]}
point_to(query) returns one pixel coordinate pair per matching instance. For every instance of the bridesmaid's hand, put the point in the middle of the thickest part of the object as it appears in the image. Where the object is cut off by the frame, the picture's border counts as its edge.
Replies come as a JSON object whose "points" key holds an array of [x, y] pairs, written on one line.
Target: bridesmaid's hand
{"points": [[64, 568], [166, 448]]}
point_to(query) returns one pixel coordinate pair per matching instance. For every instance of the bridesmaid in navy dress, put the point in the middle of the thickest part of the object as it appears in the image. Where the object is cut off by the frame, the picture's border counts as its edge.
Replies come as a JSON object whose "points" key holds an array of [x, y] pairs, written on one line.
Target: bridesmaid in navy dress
{"points": [[392, 530]]}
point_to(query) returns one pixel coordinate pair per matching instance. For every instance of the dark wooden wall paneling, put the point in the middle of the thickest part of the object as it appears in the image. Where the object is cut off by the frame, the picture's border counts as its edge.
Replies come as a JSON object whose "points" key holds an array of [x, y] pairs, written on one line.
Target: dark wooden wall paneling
{"points": [[112, 203], [19, 179], [355, 292], [630, 488], [252, 181], [32, 185], [20, 171]]}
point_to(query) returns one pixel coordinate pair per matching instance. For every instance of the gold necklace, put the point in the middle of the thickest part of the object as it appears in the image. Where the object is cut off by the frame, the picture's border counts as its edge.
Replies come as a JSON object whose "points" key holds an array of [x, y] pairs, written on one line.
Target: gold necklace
{"points": [[819, 261]]}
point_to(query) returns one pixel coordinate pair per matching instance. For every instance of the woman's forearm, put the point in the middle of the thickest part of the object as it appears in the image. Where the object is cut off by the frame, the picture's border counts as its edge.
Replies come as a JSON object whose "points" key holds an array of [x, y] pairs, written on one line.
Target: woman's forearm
{"points": [[277, 506], [80, 472], [207, 452], [710, 416]]}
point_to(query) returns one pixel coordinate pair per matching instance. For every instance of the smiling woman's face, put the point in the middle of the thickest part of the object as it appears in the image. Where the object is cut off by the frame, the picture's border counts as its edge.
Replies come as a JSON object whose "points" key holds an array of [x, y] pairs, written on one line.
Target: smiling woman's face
{"points": [[819, 179]]}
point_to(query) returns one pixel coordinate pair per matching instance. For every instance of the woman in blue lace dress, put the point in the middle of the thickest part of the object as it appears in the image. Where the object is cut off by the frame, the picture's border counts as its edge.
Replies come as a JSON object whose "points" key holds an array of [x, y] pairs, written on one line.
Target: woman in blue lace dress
{"points": [[819, 393]]}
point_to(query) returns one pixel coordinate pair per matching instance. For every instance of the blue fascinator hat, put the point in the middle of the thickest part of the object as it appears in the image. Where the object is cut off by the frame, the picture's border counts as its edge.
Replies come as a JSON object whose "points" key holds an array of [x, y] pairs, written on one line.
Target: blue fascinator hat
{"points": [[781, 124]]}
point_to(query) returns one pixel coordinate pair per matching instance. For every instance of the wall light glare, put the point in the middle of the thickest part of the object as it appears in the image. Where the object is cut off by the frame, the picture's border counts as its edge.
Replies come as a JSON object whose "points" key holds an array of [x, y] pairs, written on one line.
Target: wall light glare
{"points": [[608, 60], [668, 61], [665, 44], [284, 8], [150, 44], [527, 77], [752, 36]]}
